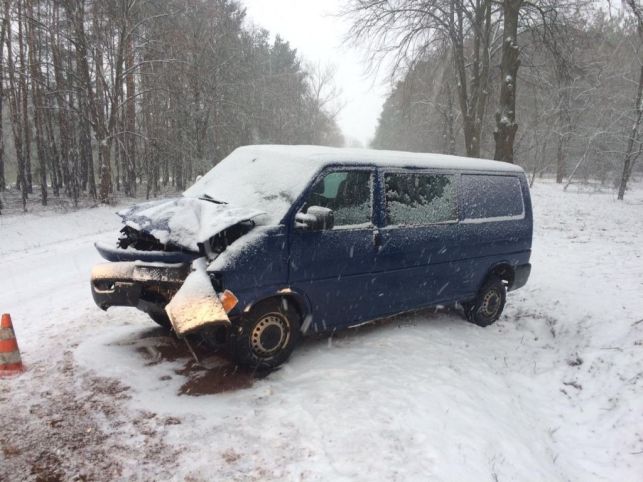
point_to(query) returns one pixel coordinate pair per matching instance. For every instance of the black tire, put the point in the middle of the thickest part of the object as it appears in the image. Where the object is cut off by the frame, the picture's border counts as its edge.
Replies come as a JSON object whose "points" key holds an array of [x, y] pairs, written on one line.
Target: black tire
{"points": [[265, 337], [488, 305], [160, 318]]}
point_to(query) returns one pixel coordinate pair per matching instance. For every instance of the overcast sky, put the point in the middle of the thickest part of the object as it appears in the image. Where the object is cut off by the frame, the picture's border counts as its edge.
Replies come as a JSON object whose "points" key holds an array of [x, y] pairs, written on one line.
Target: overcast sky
{"points": [[311, 27]]}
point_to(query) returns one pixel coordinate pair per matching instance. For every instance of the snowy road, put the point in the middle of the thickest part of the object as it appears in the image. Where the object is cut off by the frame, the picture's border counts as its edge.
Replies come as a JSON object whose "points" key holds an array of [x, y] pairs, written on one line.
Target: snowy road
{"points": [[553, 391]]}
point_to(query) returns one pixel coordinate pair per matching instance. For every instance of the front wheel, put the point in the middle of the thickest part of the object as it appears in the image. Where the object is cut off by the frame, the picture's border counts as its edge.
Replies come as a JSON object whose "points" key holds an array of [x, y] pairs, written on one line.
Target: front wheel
{"points": [[488, 305], [161, 318], [265, 337]]}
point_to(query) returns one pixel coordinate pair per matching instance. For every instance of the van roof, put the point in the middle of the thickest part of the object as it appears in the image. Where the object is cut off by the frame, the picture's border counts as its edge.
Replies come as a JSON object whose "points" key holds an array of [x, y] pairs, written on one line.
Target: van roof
{"points": [[330, 155]]}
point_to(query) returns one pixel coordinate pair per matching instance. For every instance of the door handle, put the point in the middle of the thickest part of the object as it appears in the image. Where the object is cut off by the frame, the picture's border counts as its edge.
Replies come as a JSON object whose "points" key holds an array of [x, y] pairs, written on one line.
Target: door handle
{"points": [[377, 240]]}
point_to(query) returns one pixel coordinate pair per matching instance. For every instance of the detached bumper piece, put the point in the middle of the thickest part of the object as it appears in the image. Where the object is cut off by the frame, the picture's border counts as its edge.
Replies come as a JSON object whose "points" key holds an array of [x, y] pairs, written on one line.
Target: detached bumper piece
{"points": [[196, 305]]}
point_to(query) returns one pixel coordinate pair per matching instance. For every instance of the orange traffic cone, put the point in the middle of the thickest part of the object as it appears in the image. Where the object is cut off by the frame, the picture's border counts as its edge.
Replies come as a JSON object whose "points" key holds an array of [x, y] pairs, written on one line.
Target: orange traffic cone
{"points": [[10, 361]]}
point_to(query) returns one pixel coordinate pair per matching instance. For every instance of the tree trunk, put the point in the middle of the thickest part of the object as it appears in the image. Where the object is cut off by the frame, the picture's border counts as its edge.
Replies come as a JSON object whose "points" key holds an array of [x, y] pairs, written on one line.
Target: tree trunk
{"points": [[3, 32], [88, 174], [100, 130], [63, 103], [15, 108], [37, 98], [565, 126], [94, 99], [472, 98], [630, 154], [448, 124], [506, 125], [130, 114], [24, 94]]}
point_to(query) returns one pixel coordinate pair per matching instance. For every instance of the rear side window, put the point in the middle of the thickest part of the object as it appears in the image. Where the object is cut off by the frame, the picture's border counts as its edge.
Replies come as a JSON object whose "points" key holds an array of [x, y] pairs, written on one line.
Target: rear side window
{"points": [[487, 197], [416, 199]]}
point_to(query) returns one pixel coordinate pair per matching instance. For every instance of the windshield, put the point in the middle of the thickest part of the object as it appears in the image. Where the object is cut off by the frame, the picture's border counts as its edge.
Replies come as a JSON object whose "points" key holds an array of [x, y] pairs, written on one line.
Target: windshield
{"points": [[255, 179]]}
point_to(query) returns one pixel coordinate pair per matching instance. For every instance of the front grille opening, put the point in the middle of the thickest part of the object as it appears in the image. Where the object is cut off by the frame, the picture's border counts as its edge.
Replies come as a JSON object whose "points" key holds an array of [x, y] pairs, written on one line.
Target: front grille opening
{"points": [[142, 241], [104, 285]]}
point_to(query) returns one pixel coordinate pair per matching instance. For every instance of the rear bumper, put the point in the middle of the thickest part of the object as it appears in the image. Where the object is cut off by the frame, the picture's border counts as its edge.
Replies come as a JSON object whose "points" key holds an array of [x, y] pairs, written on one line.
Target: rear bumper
{"points": [[136, 284], [521, 275]]}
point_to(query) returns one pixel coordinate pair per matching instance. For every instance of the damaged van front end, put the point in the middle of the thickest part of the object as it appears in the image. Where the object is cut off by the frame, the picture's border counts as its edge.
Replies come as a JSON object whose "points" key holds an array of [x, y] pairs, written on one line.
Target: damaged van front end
{"points": [[159, 264]]}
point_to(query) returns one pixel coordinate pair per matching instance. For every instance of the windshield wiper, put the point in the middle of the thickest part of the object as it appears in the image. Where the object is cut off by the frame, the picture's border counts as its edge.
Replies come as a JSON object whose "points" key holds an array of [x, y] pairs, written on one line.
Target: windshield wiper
{"points": [[207, 197]]}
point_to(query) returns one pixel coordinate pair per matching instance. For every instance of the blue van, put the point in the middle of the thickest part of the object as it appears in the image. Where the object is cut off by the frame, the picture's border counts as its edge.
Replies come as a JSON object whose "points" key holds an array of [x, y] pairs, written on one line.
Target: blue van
{"points": [[277, 242]]}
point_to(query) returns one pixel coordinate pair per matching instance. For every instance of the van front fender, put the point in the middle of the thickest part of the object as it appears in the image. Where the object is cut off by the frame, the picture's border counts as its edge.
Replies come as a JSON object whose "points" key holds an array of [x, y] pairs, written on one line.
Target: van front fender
{"points": [[302, 303]]}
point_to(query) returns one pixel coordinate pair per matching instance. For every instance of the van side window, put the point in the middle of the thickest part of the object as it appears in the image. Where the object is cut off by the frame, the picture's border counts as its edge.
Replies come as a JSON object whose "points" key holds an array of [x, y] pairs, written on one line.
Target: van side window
{"points": [[489, 197], [347, 193], [420, 199]]}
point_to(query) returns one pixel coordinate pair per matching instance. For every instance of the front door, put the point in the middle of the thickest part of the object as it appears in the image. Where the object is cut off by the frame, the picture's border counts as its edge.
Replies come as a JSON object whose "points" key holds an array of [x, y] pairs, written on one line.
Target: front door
{"points": [[334, 267]]}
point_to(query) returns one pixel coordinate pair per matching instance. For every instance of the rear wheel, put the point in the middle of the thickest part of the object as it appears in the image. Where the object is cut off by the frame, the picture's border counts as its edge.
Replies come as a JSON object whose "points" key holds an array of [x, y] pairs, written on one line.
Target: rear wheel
{"points": [[488, 305], [265, 337]]}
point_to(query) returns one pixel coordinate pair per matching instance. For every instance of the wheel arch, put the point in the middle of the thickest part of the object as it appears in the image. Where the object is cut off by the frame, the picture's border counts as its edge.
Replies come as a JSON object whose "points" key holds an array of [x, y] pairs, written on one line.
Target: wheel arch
{"points": [[503, 270], [298, 300]]}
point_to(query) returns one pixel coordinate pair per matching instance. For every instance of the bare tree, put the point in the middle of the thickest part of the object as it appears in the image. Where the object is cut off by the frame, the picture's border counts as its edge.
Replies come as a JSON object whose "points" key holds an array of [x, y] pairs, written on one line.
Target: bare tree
{"points": [[632, 152], [407, 30], [3, 32], [156, 91], [506, 125], [24, 97], [16, 110], [38, 103], [551, 19], [130, 111]]}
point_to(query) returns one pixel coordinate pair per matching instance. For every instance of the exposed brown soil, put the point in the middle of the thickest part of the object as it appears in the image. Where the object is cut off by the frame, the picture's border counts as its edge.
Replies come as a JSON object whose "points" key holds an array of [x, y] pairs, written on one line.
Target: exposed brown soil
{"points": [[218, 379], [44, 436], [75, 426], [210, 375]]}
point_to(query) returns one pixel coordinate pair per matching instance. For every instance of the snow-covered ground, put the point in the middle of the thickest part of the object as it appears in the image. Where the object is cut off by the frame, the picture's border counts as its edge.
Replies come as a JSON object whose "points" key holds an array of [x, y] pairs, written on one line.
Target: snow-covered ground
{"points": [[553, 391]]}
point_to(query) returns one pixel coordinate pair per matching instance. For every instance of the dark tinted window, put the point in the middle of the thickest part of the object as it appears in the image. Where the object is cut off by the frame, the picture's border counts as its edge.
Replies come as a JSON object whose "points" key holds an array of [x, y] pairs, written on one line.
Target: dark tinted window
{"points": [[420, 199], [347, 193], [486, 196]]}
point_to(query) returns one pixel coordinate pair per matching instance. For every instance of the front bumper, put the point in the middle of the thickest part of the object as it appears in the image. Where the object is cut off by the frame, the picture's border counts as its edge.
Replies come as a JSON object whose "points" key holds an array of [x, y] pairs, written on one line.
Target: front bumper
{"points": [[136, 284], [181, 291]]}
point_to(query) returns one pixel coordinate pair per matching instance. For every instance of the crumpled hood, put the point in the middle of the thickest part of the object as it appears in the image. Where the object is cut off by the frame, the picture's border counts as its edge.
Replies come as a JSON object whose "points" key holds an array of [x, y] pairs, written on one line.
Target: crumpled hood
{"points": [[185, 222]]}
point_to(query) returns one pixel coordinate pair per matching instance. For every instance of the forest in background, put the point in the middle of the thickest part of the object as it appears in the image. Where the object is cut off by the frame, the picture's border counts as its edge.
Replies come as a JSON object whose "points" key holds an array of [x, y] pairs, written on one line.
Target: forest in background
{"points": [[100, 99], [123, 96], [553, 85]]}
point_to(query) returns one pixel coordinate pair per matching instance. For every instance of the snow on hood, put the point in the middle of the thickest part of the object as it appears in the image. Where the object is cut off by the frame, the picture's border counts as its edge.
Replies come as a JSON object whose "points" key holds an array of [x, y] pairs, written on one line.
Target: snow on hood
{"points": [[254, 176], [185, 222]]}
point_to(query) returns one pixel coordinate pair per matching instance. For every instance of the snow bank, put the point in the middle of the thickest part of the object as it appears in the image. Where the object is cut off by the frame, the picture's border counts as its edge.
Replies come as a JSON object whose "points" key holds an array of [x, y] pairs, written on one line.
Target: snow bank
{"points": [[551, 392], [25, 232]]}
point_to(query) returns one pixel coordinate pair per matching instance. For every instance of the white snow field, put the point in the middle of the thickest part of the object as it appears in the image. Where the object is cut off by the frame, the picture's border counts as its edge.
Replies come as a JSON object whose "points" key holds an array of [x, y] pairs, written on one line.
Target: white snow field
{"points": [[553, 391]]}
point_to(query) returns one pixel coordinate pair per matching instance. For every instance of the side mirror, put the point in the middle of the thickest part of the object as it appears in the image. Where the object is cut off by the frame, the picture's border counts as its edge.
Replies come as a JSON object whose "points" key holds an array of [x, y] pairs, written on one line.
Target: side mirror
{"points": [[316, 218]]}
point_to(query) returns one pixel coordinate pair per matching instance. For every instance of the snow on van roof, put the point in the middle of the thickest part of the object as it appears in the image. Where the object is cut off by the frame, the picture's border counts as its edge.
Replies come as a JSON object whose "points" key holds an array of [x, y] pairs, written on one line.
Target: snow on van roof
{"points": [[270, 177], [329, 155]]}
